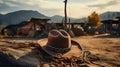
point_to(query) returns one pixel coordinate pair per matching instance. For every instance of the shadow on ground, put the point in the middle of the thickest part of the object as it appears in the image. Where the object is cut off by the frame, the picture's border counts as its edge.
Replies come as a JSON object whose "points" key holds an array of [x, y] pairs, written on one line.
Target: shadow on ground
{"points": [[7, 60]]}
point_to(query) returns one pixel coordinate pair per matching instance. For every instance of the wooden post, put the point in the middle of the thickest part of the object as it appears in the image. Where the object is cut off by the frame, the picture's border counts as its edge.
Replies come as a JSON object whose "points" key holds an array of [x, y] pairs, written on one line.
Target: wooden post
{"points": [[65, 11], [119, 26], [69, 23]]}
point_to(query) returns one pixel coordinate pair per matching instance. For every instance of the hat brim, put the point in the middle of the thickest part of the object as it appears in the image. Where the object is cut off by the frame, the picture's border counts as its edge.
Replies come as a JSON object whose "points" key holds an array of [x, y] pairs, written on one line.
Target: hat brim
{"points": [[74, 51]]}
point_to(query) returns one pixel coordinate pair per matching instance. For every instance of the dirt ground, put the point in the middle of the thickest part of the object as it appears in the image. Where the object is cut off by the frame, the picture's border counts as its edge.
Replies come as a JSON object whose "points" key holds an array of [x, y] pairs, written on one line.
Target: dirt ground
{"points": [[106, 47]]}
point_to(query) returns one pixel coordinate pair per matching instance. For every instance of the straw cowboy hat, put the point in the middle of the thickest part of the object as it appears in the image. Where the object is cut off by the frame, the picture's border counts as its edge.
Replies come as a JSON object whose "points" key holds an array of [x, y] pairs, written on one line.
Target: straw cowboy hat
{"points": [[59, 42]]}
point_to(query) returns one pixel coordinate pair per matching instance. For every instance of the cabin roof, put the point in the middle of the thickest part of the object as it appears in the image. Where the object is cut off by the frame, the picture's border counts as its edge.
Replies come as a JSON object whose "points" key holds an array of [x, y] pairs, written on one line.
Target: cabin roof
{"points": [[39, 19], [111, 21]]}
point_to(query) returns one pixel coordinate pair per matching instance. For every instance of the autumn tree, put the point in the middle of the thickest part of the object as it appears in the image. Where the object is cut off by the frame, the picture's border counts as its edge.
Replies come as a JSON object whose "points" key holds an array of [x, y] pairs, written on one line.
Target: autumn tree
{"points": [[94, 20]]}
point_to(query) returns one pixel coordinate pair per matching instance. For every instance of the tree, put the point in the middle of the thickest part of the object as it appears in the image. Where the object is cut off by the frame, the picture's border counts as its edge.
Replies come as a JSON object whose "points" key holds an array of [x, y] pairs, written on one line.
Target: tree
{"points": [[94, 20]]}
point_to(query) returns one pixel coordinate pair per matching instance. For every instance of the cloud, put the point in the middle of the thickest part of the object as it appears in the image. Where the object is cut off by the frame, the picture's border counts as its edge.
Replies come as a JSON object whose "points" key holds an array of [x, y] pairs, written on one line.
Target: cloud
{"points": [[26, 2], [76, 8], [10, 4], [13, 5], [52, 5], [51, 12], [7, 3], [1, 1], [107, 4], [72, 1]]}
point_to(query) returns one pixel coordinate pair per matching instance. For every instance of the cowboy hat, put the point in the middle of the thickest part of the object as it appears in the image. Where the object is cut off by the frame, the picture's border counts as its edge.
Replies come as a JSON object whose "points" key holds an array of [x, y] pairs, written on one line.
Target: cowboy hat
{"points": [[59, 41]]}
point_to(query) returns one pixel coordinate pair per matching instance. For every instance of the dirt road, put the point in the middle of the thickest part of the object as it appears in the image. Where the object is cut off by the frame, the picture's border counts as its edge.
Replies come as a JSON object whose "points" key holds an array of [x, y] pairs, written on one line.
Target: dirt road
{"points": [[105, 47]]}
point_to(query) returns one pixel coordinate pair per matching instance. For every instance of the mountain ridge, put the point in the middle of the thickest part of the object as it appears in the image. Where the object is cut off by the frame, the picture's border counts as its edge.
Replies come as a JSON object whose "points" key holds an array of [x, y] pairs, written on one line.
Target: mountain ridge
{"points": [[109, 15], [25, 15], [104, 16], [19, 16], [58, 18]]}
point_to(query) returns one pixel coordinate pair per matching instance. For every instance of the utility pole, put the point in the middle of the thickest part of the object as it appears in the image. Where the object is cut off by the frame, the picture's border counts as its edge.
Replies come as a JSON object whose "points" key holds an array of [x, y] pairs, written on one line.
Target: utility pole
{"points": [[65, 11]]}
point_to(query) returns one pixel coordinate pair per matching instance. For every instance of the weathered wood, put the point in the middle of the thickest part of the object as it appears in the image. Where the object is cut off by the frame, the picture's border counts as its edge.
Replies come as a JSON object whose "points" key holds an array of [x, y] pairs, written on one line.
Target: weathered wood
{"points": [[65, 11]]}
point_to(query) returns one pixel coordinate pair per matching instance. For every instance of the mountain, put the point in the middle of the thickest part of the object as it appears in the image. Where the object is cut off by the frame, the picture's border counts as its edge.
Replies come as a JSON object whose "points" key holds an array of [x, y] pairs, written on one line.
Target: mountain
{"points": [[58, 18], [19, 16], [104, 16], [25, 15], [84, 19], [109, 15], [0, 18], [1, 15]]}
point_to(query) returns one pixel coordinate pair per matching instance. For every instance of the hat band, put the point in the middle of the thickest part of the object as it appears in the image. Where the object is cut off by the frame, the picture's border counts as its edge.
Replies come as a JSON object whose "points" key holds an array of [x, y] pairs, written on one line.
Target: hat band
{"points": [[58, 50]]}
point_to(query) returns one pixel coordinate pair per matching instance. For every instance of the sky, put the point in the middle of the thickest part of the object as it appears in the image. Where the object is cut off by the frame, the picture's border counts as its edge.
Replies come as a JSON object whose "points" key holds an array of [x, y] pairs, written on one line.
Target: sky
{"points": [[75, 8]]}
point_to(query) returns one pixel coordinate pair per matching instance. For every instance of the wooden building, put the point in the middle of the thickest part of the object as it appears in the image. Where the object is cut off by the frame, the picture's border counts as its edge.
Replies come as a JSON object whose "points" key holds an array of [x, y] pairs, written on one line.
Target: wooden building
{"points": [[40, 21], [40, 25], [112, 26]]}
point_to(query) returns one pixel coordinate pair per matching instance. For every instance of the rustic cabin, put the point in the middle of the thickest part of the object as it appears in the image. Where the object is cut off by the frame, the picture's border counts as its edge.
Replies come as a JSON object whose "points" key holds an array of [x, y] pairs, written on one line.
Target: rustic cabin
{"points": [[34, 28], [112, 26], [40, 26]]}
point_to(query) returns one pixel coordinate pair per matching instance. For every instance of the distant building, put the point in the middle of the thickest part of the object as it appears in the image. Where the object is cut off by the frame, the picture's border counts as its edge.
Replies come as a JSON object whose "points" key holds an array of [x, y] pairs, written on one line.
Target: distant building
{"points": [[112, 26], [40, 25], [39, 22]]}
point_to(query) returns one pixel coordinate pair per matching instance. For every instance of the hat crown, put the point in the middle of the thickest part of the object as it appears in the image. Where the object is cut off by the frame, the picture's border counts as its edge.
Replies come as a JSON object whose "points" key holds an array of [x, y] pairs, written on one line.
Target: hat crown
{"points": [[59, 39]]}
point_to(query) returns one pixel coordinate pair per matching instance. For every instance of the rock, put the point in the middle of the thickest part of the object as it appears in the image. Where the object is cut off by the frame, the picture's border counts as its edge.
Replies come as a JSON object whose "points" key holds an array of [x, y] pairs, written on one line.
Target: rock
{"points": [[78, 31]]}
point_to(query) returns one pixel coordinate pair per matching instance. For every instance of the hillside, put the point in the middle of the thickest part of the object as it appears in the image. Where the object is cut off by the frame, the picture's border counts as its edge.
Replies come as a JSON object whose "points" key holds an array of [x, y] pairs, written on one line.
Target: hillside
{"points": [[18, 16], [109, 15], [25, 15], [58, 18], [104, 16], [1, 15]]}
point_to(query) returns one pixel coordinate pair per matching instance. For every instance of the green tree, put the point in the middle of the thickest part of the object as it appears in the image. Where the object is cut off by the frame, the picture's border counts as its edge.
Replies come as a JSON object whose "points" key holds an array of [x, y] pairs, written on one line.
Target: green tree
{"points": [[94, 20]]}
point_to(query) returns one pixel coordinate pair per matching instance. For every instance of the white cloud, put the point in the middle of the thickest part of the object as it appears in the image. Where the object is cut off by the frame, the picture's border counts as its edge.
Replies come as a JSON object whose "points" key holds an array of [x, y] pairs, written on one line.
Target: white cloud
{"points": [[104, 4], [10, 4], [41, 3], [13, 0], [79, 10], [113, 8], [4, 12], [1, 1], [54, 5], [28, 2], [76, 8]]}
